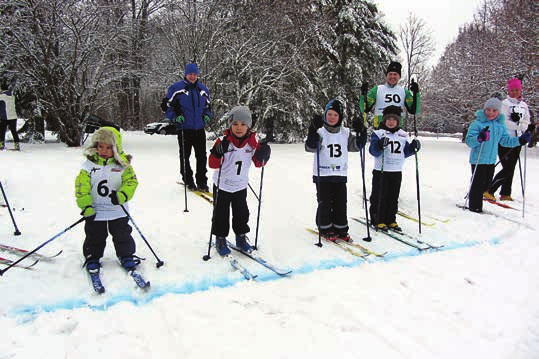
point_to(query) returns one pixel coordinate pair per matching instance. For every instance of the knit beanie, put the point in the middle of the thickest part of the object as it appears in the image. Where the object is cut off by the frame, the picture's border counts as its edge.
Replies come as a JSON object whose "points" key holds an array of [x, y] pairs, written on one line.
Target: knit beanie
{"points": [[392, 112], [191, 69], [514, 83], [241, 114], [394, 67], [337, 106], [494, 103]]}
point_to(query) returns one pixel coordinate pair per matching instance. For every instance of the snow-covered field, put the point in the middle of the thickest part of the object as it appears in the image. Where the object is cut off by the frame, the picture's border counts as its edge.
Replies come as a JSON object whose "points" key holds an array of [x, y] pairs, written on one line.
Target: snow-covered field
{"points": [[476, 298]]}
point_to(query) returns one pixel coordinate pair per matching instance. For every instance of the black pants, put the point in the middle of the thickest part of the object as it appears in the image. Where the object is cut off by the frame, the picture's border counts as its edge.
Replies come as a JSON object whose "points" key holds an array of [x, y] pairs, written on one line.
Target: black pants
{"points": [[384, 199], [331, 215], [193, 139], [504, 178], [240, 212], [96, 238], [12, 124], [481, 180]]}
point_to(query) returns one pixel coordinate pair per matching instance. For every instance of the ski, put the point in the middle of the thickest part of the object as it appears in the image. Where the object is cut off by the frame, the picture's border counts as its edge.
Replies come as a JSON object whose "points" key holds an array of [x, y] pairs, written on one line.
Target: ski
{"points": [[412, 218], [340, 244], [363, 249], [207, 196], [236, 265], [262, 261], [139, 279], [22, 252], [95, 279], [497, 216], [9, 262], [503, 205], [400, 238]]}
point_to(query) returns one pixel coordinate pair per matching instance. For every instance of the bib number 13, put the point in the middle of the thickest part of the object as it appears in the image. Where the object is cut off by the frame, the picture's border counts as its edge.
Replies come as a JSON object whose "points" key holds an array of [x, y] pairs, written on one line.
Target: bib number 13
{"points": [[335, 150]]}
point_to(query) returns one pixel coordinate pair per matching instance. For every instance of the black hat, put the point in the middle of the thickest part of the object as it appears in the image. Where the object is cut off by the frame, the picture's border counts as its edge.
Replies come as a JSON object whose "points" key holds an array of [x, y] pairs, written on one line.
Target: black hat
{"points": [[392, 111], [337, 106], [394, 67]]}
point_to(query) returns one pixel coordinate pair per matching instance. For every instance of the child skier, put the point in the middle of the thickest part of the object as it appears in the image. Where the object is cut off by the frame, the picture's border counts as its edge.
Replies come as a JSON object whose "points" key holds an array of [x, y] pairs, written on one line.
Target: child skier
{"points": [[485, 133], [106, 181], [389, 146], [231, 156], [332, 142]]}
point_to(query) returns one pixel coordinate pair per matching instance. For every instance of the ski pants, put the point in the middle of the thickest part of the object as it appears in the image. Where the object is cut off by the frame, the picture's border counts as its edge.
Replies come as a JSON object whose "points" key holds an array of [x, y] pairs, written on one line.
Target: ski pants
{"points": [[96, 238], [481, 180], [12, 125], [384, 199], [240, 212], [331, 215], [508, 159], [195, 139]]}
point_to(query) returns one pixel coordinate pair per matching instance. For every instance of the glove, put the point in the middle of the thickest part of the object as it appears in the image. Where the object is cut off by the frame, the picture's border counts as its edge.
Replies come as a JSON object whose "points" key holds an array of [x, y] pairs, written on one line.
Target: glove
{"points": [[515, 116], [531, 128], [383, 143], [416, 145], [264, 152], [115, 199], [525, 138], [206, 119], [179, 119], [484, 135], [364, 88], [358, 125], [361, 139], [317, 122], [164, 105], [88, 213], [221, 148], [414, 87]]}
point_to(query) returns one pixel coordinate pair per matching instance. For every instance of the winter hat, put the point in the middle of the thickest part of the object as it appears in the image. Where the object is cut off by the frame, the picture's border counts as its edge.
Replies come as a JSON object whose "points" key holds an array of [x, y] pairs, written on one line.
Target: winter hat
{"points": [[494, 103], [109, 136], [394, 67], [337, 106], [514, 83], [191, 68], [392, 112], [241, 114]]}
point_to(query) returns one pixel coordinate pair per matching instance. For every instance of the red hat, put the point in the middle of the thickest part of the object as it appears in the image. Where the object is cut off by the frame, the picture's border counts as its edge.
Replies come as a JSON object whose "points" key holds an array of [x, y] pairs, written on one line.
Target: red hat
{"points": [[514, 83]]}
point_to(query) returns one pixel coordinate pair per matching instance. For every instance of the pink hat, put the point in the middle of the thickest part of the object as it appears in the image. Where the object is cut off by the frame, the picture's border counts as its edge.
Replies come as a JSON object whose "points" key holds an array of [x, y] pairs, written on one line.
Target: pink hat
{"points": [[514, 83]]}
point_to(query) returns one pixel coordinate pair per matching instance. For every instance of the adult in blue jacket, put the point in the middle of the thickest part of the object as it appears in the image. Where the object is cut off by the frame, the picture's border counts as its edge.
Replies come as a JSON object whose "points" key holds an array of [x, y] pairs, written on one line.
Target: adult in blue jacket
{"points": [[188, 105]]}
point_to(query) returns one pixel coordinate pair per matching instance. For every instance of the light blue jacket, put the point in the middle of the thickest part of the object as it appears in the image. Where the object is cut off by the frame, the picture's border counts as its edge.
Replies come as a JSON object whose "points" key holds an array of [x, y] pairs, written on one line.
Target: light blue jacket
{"points": [[489, 149]]}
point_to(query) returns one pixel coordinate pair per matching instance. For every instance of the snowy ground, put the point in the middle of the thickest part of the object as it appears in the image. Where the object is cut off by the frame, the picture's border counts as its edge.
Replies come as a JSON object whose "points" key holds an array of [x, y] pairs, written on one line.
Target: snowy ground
{"points": [[477, 298]]}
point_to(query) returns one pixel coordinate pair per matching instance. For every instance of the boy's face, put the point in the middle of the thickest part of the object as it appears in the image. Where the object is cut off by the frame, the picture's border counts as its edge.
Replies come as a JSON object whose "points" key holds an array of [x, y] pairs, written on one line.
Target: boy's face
{"points": [[393, 78], [104, 150], [332, 117], [515, 93], [239, 129], [491, 113], [392, 122]]}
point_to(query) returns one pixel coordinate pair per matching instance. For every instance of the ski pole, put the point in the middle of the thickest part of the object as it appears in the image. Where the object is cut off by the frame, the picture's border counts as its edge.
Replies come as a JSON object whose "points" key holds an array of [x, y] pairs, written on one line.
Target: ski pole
{"points": [[417, 179], [159, 261], [362, 158], [380, 189], [259, 202], [473, 174], [184, 171], [17, 232], [319, 244], [216, 197], [522, 180], [2, 271]]}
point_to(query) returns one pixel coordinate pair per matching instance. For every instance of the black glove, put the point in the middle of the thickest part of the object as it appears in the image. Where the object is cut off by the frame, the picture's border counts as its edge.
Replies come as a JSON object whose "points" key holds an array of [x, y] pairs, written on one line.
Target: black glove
{"points": [[115, 198], [364, 88], [221, 148], [383, 143], [515, 116], [415, 145], [317, 122], [88, 213], [414, 87], [358, 125], [164, 105], [525, 138], [177, 108], [264, 152], [531, 128], [361, 139]]}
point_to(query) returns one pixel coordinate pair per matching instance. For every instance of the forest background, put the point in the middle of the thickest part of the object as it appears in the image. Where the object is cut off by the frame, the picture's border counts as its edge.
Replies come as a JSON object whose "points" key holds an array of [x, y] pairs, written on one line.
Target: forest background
{"points": [[284, 59]]}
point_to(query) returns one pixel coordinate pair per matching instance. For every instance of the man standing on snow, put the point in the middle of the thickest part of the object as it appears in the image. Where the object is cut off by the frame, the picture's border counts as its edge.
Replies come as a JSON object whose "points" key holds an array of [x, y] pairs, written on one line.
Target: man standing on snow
{"points": [[188, 105], [8, 118], [389, 94]]}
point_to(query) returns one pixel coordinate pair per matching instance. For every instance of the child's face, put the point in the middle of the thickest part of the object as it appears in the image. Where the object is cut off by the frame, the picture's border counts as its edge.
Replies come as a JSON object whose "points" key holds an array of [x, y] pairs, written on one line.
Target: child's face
{"points": [[332, 117], [104, 150], [239, 129], [491, 113], [515, 93], [392, 122]]}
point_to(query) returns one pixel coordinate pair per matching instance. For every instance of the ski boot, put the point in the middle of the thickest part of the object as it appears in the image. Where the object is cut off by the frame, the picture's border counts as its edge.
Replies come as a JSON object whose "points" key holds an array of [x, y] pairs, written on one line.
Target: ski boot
{"points": [[343, 236], [242, 243], [395, 227], [92, 265], [2, 146], [221, 246], [16, 146], [128, 263], [488, 196]]}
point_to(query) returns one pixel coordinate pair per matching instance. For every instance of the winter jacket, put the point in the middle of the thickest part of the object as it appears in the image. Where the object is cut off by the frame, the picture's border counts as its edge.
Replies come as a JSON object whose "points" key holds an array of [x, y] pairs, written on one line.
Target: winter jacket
{"points": [[487, 151], [512, 105], [379, 97], [194, 100], [394, 154], [249, 138], [7, 106]]}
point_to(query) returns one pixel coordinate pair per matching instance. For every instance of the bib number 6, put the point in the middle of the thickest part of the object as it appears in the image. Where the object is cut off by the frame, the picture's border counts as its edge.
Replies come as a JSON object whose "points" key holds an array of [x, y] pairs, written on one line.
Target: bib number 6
{"points": [[102, 189]]}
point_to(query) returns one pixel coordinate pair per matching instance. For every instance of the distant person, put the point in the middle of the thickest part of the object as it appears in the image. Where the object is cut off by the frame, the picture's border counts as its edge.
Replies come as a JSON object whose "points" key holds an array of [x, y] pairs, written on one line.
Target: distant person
{"points": [[231, 157], [187, 104], [485, 133], [390, 147], [517, 120], [106, 181], [8, 119], [390, 94], [331, 142]]}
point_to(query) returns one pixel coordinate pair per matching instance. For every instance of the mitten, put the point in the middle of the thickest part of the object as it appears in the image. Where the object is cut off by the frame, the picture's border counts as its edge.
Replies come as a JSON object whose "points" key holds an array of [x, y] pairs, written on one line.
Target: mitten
{"points": [[220, 148], [531, 128], [179, 119], [364, 88], [358, 125], [525, 138], [484, 135], [88, 213], [383, 143], [515, 116], [414, 87], [415, 144], [177, 108], [206, 119], [264, 152], [164, 105], [116, 199]]}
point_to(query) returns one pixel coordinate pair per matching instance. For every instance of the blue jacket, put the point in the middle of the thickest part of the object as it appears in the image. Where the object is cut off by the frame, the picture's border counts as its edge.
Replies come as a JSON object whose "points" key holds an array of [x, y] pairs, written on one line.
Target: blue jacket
{"points": [[498, 134], [194, 100]]}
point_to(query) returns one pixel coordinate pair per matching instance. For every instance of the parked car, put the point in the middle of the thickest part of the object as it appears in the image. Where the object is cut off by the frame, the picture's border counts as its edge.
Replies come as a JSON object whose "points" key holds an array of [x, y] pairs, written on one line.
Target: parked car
{"points": [[163, 127]]}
